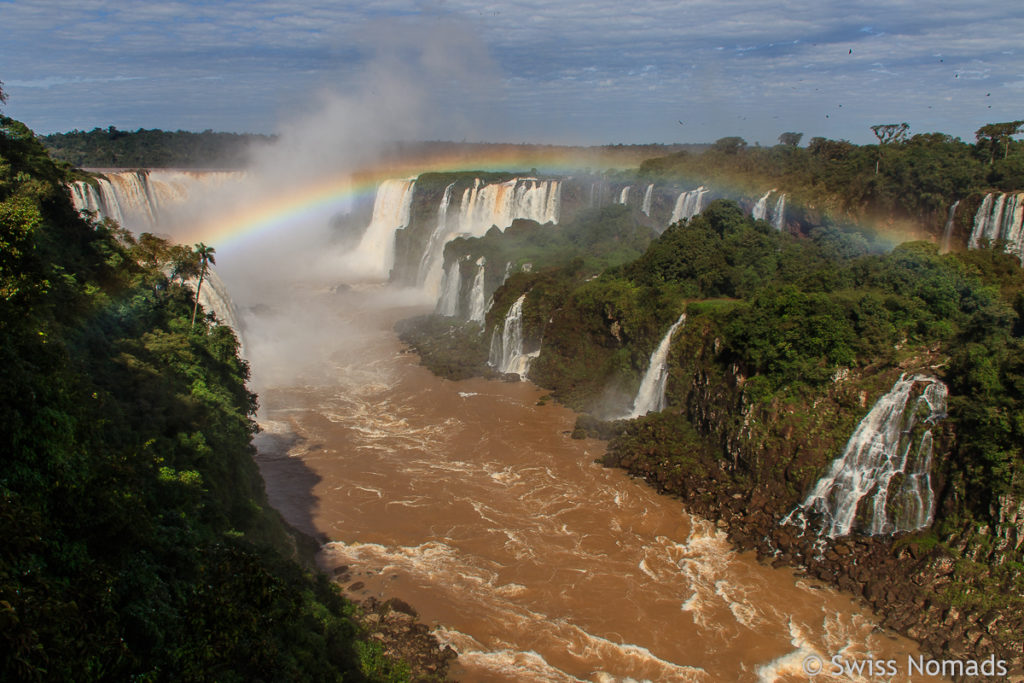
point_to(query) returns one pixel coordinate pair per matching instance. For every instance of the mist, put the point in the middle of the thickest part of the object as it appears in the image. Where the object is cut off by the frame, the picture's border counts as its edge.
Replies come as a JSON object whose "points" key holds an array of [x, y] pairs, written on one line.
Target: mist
{"points": [[290, 277]]}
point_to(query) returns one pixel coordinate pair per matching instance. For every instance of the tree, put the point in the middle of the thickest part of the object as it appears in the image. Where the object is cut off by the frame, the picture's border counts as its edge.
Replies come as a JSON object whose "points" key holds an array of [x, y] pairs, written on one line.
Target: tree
{"points": [[730, 145], [888, 133], [995, 133], [205, 255], [3, 95], [790, 139]]}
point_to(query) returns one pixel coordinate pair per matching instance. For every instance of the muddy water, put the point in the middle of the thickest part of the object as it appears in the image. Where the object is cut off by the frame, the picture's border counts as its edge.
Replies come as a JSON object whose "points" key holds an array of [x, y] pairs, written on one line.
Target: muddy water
{"points": [[470, 501]]}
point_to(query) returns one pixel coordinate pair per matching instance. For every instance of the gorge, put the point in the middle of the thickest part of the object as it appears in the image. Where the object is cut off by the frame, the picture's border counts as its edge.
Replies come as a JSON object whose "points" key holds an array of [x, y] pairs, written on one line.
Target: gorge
{"points": [[502, 295]]}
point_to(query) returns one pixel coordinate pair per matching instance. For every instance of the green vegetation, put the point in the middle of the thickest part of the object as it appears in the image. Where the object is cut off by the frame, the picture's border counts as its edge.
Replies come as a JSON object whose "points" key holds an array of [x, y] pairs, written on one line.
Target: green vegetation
{"points": [[548, 261], [903, 177], [599, 238], [138, 541], [113, 148]]}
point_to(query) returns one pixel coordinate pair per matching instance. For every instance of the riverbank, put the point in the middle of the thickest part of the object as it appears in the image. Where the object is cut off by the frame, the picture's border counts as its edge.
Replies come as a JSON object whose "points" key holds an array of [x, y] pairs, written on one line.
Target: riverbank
{"points": [[929, 589]]}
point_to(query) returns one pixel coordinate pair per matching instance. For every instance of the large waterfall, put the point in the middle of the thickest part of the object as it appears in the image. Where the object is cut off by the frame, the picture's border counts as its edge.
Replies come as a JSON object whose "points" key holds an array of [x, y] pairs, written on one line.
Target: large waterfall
{"points": [[1000, 218], [477, 297], [482, 206], [645, 207], [760, 210], [651, 395], [498, 204], [391, 210], [624, 194], [862, 487], [688, 204], [507, 343], [138, 199]]}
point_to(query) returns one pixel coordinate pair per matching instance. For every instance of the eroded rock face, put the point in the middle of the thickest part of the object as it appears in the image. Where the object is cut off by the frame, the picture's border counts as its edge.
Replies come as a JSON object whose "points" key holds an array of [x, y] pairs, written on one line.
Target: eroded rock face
{"points": [[1009, 511], [950, 593]]}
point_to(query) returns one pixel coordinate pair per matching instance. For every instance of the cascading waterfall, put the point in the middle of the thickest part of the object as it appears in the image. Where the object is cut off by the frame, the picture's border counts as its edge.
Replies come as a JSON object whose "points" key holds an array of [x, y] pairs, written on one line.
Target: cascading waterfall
{"points": [[947, 232], [498, 204], [645, 207], [431, 267], [391, 210], [506, 353], [859, 487], [624, 194], [1000, 218], [451, 284], [981, 221], [651, 395], [481, 207], [779, 213], [477, 299], [760, 210], [86, 197], [138, 199], [688, 204]]}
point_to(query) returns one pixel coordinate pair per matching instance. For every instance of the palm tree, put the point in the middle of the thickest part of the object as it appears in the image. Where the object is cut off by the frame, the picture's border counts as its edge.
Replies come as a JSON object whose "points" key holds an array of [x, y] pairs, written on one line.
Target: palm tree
{"points": [[205, 256]]}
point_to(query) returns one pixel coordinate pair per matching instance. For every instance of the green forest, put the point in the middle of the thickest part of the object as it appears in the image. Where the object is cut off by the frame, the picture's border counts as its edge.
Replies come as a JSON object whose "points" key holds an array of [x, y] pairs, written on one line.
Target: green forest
{"points": [[903, 177], [113, 148], [138, 541]]}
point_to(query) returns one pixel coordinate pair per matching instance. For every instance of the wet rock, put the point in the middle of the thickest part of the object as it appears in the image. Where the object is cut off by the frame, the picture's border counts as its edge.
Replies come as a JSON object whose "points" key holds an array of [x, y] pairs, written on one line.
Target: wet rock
{"points": [[399, 605]]}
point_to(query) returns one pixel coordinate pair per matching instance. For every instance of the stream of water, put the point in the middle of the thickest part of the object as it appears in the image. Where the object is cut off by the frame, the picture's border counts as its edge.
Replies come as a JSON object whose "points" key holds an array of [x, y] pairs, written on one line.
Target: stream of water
{"points": [[469, 501]]}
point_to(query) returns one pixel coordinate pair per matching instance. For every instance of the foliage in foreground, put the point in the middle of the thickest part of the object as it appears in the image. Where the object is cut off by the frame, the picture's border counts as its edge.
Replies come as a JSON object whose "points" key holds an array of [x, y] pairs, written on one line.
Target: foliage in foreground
{"points": [[137, 538]]}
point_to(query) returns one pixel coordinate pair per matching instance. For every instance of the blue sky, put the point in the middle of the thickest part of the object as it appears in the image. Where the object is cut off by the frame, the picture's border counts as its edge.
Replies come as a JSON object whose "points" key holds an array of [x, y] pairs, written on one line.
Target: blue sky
{"points": [[530, 71]]}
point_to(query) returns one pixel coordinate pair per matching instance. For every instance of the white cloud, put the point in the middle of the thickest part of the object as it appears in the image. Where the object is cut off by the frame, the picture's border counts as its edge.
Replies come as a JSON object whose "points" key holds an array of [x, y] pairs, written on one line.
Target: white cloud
{"points": [[582, 61]]}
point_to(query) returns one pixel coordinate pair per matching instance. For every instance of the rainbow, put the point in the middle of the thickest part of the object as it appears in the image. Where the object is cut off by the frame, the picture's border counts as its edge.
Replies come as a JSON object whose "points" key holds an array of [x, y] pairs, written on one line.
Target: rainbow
{"points": [[327, 196]]}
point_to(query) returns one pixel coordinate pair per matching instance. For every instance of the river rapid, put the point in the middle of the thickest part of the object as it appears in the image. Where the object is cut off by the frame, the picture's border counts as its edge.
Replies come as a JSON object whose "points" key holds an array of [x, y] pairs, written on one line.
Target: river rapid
{"points": [[469, 501]]}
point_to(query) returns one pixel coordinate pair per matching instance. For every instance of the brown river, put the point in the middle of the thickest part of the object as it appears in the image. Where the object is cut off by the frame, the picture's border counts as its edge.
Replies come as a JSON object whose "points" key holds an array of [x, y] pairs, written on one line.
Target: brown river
{"points": [[469, 501]]}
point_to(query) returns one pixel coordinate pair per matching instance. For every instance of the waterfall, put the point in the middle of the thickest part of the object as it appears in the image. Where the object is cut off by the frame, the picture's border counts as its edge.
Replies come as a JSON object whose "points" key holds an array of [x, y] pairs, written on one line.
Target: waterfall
{"points": [[760, 210], [391, 209], [624, 195], [646, 205], [1000, 218], [124, 197], [498, 204], [980, 227], [859, 488], [429, 274], [451, 284], [481, 207], [506, 354], [85, 197], [138, 199], [947, 232], [651, 395], [688, 204], [779, 213], [477, 300]]}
